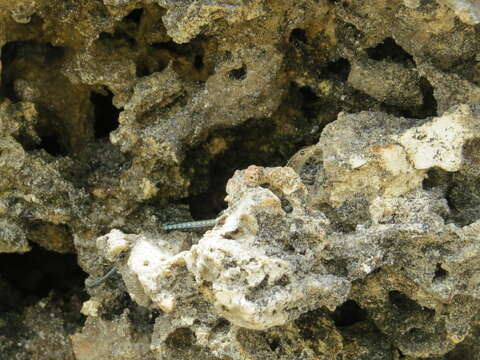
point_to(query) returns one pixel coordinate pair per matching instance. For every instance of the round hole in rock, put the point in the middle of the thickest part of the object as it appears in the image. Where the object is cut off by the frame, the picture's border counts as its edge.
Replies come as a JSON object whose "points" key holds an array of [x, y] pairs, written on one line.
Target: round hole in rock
{"points": [[338, 69], [348, 314], [238, 74], [389, 49], [440, 273], [38, 272], [298, 35], [106, 115], [134, 16]]}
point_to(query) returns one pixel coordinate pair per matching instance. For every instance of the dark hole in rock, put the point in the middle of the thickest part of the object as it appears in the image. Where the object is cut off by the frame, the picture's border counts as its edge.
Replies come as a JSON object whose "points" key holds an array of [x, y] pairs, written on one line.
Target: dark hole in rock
{"points": [[429, 107], [134, 16], [308, 102], [298, 35], [274, 344], [232, 235], [126, 30], [38, 272], [401, 301], [463, 193], [117, 305], [172, 46], [29, 48], [118, 35], [288, 248], [141, 318], [339, 68], [348, 314], [283, 281], [189, 50], [238, 74], [51, 144], [106, 115], [440, 273], [463, 201], [142, 70], [198, 62], [389, 50], [192, 52], [258, 291], [227, 55], [105, 36], [8, 55], [257, 141], [45, 53], [222, 325], [155, 313], [437, 177], [181, 338], [233, 149], [7, 91], [308, 94], [36, 20]]}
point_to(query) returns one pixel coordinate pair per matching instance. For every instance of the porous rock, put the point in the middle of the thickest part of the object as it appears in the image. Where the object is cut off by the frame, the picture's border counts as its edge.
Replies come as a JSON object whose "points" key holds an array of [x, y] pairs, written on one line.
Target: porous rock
{"points": [[396, 79], [270, 259], [467, 10], [354, 236]]}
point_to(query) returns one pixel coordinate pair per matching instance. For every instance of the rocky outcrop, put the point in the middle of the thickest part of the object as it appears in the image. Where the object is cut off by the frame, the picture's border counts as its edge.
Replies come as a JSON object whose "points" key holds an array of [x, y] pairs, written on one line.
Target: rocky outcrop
{"points": [[343, 136]]}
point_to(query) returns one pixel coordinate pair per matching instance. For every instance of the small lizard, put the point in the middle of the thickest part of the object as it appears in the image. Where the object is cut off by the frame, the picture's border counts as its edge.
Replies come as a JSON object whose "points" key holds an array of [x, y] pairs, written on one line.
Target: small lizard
{"points": [[91, 283], [184, 226], [190, 225]]}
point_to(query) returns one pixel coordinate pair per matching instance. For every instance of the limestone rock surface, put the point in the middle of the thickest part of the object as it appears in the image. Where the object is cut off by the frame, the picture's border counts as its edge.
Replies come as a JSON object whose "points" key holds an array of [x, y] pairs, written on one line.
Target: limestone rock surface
{"points": [[336, 144]]}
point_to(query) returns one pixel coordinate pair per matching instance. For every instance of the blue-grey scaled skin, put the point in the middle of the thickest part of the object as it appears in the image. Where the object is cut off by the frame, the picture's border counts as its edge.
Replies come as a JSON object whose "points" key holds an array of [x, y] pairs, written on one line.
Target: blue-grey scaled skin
{"points": [[91, 283], [191, 225], [185, 226]]}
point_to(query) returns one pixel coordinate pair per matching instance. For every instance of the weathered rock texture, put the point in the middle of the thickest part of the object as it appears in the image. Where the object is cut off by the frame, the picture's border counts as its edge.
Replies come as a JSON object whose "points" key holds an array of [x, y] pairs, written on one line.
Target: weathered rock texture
{"points": [[348, 131]]}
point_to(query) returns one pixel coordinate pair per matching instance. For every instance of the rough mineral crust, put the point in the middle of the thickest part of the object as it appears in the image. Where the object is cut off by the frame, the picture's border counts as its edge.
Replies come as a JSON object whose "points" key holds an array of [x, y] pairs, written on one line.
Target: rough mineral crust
{"points": [[400, 85], [272, 258], [467, 10], [344, 137]]}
